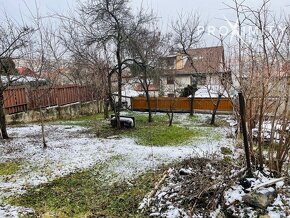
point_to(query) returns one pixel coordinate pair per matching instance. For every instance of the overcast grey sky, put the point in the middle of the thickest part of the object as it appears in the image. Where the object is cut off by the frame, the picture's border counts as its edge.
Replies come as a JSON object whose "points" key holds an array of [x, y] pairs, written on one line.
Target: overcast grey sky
{"points": [[211, 11]]}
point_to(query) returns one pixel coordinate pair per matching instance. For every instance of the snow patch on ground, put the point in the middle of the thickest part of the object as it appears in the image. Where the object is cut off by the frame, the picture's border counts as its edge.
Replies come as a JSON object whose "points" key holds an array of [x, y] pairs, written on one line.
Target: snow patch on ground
{"points": [[69, 150], [279, 208]]}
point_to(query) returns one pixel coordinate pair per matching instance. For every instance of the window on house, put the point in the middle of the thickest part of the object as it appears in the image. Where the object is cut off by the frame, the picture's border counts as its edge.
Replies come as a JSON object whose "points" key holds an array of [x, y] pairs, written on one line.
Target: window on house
{"points": [[226, 78], [201, 80], [198, 79], [170, 80], [197, 57]]}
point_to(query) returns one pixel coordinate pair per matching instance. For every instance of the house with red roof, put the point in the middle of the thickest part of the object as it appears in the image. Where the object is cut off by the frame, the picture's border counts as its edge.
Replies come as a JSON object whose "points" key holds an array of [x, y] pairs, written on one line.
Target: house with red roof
{"points": [[25, 71], [202, 66]]}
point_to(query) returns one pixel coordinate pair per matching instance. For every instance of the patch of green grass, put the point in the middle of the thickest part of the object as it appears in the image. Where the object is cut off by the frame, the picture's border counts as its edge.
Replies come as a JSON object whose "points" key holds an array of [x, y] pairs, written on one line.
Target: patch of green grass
{"points": [[227, 159], [163, 135], [226, 151], [216, 136], [88, 120], [9, 168], [142, 118], [95, 125], [193, 117], [85, 194], [210, 133], [158, 133]]}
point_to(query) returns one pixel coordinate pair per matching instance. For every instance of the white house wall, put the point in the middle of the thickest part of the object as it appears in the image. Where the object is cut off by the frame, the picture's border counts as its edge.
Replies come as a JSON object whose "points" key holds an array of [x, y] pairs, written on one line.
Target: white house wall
{"points": [[185, 80], [179, 83]]}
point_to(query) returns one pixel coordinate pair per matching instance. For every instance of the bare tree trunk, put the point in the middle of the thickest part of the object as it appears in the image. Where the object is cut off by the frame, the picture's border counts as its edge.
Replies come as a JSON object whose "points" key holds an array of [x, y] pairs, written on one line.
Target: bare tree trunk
{"points": [[170, 117], [119, 105], [111, 102], [42, 129], [2, 117], [215, 109], [149, 106], [106, 108], [191, 103], [106, 103], [170, 114]]}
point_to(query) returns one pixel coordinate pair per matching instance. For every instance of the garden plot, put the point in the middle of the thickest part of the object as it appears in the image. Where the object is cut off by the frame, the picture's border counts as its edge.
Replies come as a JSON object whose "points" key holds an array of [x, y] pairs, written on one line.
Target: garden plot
{"points": [[216, 192], [70, 150]]}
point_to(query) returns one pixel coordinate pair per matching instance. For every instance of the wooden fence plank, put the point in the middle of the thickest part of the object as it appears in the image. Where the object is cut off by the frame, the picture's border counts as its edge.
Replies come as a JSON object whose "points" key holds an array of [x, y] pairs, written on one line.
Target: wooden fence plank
{"points": [[15, 100], [19, 99], [180, 104]]}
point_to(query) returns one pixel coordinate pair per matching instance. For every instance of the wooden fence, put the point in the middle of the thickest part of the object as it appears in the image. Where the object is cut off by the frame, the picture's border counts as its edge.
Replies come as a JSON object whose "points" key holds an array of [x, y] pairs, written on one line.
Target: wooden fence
{"points": [[180, 104], [19, 99]]}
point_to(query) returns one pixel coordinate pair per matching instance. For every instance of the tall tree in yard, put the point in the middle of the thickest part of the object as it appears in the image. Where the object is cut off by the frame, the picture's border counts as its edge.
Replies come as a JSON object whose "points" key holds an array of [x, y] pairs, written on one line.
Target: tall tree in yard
{"points": [[7, 69], [89, 63], [12, 38], [43, 56], [111, 22], [187, 34], [223, 88], [146, 47]]}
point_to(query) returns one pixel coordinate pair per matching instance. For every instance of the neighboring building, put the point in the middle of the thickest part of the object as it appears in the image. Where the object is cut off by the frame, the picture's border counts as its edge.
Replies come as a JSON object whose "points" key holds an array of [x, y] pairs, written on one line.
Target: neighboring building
{"points": [[206, 68], [14, 80], [54, 72], [25, 71], [61, 76], [132, 83], [152, 89], [26, 63], [18, 76]]}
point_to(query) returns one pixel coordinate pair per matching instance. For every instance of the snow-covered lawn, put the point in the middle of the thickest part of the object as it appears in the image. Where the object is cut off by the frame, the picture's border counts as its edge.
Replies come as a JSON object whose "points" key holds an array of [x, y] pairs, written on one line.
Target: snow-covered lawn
{"points": [[70, 149]]}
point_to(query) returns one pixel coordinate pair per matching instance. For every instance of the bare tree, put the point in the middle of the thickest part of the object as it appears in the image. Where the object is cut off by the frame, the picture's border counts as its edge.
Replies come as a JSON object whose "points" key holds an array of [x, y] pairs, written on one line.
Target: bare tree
{"points": [[188, 32], [43, 56], [111, 22], [261, 56], [89, 62], [222, 86], [216, 105], [170, 113], [12, 38], [146, 47]]}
